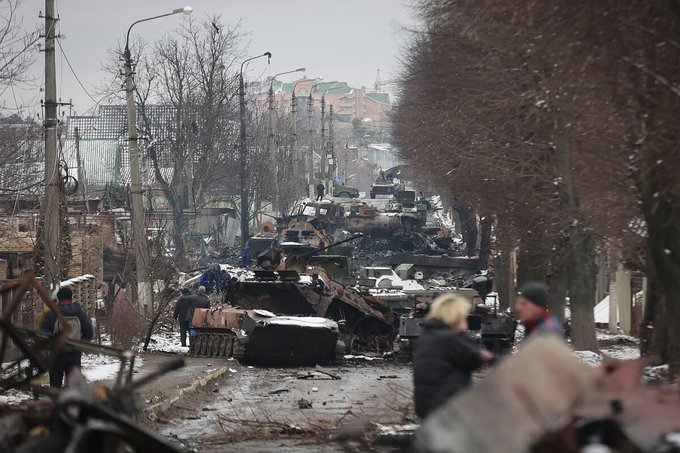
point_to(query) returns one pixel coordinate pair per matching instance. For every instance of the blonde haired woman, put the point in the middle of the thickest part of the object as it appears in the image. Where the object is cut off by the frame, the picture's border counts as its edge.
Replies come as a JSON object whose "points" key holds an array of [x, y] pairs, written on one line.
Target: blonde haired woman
{"points": [[445, 356]]}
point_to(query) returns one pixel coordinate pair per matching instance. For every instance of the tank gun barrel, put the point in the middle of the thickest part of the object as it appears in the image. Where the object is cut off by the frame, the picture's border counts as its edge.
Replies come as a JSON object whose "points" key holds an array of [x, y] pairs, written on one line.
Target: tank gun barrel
{"points": [[334, 244]]}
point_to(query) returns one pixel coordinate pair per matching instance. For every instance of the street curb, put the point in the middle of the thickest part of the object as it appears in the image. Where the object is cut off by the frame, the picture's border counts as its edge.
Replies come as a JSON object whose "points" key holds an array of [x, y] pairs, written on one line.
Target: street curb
{"points": [[151, 412]]}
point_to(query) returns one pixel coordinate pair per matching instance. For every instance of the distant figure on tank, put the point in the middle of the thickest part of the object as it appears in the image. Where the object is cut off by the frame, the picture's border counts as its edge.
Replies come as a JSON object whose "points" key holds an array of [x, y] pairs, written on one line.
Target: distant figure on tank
{"points": [[320, 191]]}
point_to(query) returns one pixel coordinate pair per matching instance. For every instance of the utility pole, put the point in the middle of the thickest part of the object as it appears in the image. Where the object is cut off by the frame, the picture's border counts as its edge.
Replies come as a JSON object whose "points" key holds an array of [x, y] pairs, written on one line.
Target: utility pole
{"points": [[310, 163], [271, 149], [81, 172], [144, 290], [322, 165], [272, 145], [331, 155], [299, 167], [51, 201], [243, 150], [142, 261], [242, 160]]}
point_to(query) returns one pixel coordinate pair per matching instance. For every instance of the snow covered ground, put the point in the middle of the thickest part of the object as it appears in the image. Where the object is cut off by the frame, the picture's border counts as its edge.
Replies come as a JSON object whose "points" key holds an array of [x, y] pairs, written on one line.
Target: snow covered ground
{"points": [[96, 368], [167, 342], [620, 346]]}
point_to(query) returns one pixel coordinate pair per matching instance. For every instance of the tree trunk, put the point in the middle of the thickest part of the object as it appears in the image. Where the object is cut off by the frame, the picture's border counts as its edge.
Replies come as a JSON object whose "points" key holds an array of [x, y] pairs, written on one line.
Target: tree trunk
{"points": [[655, 325], [582, 276], [486, 223], [664, 253], [501, 276], [558, 292], [468, 220], [532, 260]]}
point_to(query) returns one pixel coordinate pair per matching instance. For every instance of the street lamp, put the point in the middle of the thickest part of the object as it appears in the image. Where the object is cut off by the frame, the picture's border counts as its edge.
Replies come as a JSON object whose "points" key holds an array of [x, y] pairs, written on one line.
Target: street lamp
{"points": [[293, 107], [272, 149], [144, 289], [310, 106], [332, 159], [271, 108], [243, 149]]}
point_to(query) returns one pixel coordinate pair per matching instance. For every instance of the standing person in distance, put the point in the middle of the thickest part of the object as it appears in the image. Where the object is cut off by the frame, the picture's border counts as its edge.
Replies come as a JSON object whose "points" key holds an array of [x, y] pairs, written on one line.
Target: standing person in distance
{"points": [[444, 356], [183, 313], [199, 300], [320, 191], [532, 310], [81, 329]]}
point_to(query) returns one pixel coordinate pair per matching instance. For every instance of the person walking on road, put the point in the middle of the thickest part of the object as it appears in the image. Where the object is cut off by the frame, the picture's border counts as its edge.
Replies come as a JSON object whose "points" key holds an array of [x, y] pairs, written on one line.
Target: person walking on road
{"points": [[81, 329], [531, 307], [183, 314], [445, 357], [320, 191]]}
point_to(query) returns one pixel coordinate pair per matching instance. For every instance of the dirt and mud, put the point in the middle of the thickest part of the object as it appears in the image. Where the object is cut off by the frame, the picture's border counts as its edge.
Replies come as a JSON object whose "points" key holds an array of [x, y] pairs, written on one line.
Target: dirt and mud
{"points": [[337, 408]]}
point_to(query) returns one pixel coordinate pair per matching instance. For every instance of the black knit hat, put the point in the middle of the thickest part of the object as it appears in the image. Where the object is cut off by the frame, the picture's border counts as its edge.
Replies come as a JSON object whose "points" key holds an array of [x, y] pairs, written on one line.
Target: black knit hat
{"points": [[64, 293], [536, 292]]}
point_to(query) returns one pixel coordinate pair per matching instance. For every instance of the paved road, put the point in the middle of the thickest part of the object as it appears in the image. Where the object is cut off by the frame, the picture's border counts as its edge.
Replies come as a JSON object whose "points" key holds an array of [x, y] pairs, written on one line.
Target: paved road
{"points": [[259, 409]]}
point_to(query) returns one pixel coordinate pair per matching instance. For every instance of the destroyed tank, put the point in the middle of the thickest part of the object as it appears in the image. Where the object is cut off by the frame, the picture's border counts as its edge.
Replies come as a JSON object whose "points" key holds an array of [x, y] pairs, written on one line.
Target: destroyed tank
{"points": [[364, 321], [262, 338]]}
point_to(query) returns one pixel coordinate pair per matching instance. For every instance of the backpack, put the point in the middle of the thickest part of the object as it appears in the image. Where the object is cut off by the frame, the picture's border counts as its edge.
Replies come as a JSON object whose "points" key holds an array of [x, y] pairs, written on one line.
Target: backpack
{"points": [[76, 332]]}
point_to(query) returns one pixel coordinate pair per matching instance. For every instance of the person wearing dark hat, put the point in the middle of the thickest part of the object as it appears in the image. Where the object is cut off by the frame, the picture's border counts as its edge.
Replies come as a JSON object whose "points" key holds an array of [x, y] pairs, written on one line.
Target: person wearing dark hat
{"points": [[531, 307], [81, 329], [183, 313], [200, 299]]}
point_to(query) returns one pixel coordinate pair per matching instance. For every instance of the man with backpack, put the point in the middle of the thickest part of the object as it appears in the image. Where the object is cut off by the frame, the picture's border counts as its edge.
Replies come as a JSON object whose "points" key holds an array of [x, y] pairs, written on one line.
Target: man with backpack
{"points": [[81, 329]]}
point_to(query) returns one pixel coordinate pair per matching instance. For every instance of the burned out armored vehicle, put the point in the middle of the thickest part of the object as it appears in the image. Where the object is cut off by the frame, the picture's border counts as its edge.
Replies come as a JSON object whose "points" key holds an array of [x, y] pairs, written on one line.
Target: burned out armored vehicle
{"points": [[371, 222], [364, 322], [260, 337]]}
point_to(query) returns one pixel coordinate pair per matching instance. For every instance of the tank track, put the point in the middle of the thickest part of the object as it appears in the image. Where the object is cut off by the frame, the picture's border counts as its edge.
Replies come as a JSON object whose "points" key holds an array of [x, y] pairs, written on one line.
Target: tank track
{"points": [[222, 344]]}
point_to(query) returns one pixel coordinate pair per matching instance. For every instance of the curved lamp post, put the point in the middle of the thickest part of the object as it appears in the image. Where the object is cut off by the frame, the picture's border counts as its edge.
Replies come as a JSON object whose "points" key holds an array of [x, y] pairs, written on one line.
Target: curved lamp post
{"points": [[307, 174], [332, 159], [310, 107], [243, 150], [271, 108], [144, 290], [271, 150]]}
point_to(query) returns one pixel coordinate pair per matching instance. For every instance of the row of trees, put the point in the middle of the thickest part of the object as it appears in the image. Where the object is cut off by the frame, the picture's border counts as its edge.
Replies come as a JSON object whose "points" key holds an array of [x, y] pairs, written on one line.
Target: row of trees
{"points": [[192, 73], [559, 121]]}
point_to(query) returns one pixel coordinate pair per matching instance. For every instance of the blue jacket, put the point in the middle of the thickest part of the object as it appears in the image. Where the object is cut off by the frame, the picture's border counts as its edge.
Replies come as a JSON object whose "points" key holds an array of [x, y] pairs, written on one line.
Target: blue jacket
{"points": [[68, 308]]}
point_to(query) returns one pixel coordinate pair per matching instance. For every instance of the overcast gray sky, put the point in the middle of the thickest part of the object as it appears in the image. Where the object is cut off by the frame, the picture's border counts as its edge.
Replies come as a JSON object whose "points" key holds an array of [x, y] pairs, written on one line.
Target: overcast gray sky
{"points": [[347, 40]]}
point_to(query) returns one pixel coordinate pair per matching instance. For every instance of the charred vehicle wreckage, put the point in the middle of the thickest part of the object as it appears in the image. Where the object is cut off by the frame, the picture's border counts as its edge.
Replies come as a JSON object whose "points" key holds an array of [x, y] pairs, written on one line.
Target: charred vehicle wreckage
{"points": [[282, 317], [271, 317]]}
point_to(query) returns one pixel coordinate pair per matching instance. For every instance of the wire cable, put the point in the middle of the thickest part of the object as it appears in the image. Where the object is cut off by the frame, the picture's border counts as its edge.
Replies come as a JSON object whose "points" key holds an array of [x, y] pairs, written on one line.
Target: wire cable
{"points": [[68, 62]]}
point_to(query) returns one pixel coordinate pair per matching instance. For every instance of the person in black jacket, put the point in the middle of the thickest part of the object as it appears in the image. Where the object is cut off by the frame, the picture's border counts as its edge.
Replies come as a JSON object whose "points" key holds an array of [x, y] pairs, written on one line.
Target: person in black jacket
{"points": [[444, 356], [67, 359], [199, 300], [183, 313]]}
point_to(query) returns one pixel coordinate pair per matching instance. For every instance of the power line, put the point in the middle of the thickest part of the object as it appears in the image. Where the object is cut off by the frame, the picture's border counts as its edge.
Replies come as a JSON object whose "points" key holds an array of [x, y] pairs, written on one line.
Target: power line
{"points": [[68, 62]]}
